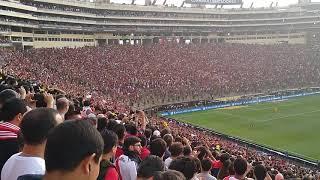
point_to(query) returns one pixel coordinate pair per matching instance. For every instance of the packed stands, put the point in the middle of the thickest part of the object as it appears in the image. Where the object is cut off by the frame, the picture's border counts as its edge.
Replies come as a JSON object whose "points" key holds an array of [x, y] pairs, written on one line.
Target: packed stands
{"points": [[161, 73], [101, 81]]}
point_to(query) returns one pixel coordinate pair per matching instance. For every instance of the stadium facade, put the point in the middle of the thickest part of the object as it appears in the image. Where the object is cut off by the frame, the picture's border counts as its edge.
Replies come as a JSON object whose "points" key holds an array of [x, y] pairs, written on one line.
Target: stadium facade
{"points": [[60, 23]]}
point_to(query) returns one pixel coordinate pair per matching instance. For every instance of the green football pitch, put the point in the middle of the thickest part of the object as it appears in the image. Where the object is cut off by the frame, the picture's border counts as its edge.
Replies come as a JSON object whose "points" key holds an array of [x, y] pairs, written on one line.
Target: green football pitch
{"points": [[290, 126]]}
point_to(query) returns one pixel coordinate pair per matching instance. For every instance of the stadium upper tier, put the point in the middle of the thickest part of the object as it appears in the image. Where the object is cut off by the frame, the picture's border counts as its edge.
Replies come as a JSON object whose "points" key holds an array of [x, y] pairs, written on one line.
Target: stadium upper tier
{"points": [[147, 22]]}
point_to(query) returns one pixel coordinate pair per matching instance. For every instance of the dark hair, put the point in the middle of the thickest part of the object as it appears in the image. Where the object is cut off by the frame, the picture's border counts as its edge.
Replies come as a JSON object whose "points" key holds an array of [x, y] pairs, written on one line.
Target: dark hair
{"points": [[186, 165], [169, 175], [130, 141], [39, 98], [150, 166], [206, 164], [110, 140], [178, 139], [187, 150], [225, 169], [86, 103], [148, 133], [36, 124], [7, 94], [69, 143], [198, 164], [143, 140], [119, 129], [71, 111], [131, 129], [102, 123], [11, 108], [165, 131], [168, 138], [260, 172], [240, 166], [224, 157], [176, 149], [203, 152], [158, 147], [111, 124]]}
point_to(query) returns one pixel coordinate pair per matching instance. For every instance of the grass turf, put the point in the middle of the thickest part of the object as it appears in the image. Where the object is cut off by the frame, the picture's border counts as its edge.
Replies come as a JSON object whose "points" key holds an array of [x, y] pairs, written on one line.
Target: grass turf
{"points": [[290, 125]]}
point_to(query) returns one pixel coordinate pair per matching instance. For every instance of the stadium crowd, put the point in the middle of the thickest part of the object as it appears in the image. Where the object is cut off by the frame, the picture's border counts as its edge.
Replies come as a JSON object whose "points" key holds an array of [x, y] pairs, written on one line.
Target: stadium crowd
{"points": [[43, 130], [168, 72]]}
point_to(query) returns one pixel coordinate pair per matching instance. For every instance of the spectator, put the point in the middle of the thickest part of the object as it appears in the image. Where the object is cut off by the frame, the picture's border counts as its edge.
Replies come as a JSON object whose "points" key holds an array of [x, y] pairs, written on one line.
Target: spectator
{"points": [[144, 151], [149, 167], [169, 175], [186, 165], [119, 129], [107, 169], [66, 157], [62, 106], [225, 169], [241, 169], [260, 173], [148, 133], [128, 163], [279, 176], [206, 169], [7, 94], [168, 138], [102, 123], [187, 151], [35, 126], [11, 114], [158, 147], [176, 150]]}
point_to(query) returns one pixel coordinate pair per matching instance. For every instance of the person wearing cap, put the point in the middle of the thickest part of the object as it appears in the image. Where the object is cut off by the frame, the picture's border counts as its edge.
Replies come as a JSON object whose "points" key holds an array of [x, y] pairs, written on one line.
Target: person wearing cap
{"points": [[128, 163], [10, 119]]}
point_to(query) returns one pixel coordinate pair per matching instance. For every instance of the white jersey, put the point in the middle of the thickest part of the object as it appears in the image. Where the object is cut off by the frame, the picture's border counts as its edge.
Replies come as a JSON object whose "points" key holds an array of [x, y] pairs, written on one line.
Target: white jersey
{"points": [[18, 165]]}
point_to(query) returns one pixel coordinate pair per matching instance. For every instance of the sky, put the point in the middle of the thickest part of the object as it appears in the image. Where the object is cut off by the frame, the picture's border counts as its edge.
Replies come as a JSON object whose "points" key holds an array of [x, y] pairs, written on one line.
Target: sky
{"points": [[247, 3]]}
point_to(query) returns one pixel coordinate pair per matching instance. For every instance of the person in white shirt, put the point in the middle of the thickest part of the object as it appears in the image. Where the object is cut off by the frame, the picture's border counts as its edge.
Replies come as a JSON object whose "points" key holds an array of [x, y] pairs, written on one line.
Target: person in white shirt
{"points": [[176, 150], [35, 126], [205, 172], [128, 163]]}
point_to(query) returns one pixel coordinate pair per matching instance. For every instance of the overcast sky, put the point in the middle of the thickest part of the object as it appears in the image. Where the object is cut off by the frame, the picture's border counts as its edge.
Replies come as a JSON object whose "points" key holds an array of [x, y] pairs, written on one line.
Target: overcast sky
{"points": [[247, 3]]}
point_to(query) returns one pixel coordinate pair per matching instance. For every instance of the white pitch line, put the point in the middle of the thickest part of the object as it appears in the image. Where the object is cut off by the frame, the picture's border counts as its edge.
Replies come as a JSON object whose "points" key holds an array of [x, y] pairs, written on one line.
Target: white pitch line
{"points": [[293, 115], [278, 105]]}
